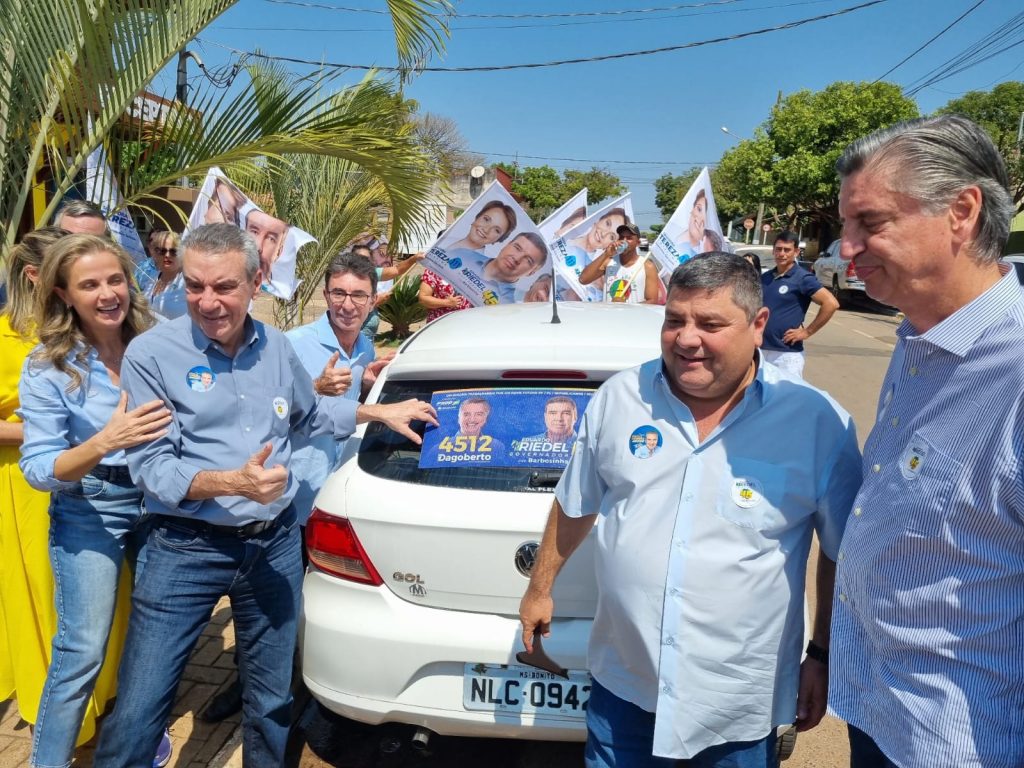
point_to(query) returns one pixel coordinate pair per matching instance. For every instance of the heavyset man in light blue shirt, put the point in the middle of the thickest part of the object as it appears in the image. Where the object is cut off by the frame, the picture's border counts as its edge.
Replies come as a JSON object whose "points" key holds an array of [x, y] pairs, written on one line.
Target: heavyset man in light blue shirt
{"points": [[702, 546], [220, 490], [327, 348], [928, 633]]}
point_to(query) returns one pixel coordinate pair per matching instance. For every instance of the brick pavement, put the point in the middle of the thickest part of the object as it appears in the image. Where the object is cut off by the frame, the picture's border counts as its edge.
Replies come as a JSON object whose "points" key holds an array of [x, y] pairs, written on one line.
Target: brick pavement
{"points": [[196, 744]]}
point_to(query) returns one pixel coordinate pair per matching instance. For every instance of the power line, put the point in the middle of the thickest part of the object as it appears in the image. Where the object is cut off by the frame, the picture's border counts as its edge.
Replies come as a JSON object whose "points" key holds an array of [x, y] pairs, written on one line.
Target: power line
{"points": [[562, 62], [490, 27], [948, 27], [584, 160], [619, 12], [1009, 35]]}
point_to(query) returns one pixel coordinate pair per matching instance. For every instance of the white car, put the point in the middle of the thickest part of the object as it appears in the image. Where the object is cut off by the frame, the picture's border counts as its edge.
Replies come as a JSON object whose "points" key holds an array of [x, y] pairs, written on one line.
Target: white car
{"points": [[837, 274], [411, 602]]}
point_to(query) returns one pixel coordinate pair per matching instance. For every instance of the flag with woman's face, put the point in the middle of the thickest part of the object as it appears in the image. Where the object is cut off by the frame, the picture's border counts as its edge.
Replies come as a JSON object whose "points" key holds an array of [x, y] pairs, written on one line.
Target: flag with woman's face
{"points": [[693, 228], [493, 253], [583, 243]]}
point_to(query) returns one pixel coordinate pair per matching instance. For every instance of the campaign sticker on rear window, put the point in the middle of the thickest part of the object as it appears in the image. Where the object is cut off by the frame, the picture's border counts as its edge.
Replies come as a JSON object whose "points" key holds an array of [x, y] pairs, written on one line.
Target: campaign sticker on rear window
{"points": [[517, 427]]}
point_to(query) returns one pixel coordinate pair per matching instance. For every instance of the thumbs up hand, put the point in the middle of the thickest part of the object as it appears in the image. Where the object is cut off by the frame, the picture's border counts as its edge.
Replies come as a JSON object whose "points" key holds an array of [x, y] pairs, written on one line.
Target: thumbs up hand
{"points": [[259, 483], [333, 381]]}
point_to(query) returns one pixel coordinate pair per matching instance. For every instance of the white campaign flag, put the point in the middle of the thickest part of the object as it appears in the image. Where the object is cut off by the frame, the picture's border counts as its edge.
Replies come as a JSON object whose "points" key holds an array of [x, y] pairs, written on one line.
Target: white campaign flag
{"points": [[101, 188], [579, 246], [568, 215], [493, 253], [220, 201], [693, 228]]}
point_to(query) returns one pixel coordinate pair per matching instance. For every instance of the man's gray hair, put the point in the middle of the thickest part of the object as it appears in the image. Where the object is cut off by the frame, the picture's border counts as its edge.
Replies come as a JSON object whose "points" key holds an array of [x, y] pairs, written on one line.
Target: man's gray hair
{"points": [[218, 239], [933, 159], [82, 209], [714, 270]]}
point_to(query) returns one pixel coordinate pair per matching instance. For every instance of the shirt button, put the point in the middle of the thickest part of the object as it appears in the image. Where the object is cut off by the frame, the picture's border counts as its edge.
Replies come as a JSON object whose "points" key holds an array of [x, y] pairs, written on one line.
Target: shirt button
{"points": [[241, 397], [669, 641], [842, 556], [895, 421], [914, 370], [842, 597], [857, 511], [877, 468], [688, 497], [666, 690], [248, 429]]}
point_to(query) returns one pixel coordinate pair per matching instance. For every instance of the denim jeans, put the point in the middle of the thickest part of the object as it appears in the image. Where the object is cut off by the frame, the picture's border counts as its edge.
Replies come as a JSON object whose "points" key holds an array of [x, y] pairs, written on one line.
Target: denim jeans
{"points": [[621, 735], [864, 753], [187, 571], [94, 525]]}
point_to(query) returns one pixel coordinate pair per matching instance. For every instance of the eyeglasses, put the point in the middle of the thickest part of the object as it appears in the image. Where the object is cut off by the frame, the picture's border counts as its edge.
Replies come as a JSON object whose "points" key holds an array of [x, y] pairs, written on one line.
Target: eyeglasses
{"points": [[166, 251], [359, 298]]}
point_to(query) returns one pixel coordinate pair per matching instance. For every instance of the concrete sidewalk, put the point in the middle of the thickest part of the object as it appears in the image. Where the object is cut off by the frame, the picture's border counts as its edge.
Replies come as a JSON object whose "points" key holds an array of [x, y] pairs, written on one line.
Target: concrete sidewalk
{"points": [[196, 744]]}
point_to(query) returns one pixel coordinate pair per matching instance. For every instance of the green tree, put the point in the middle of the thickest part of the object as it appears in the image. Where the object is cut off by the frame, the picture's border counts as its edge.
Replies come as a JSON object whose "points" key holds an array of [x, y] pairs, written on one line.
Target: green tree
{"points": [[999, 112], [542, 189], [670, 189], [72, 69], [601, 185], [789, 164]]}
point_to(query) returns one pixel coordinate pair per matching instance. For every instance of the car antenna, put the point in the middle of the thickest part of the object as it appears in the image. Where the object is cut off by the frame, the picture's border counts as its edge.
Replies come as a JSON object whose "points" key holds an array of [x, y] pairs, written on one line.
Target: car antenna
{"points": [[555, 320]]}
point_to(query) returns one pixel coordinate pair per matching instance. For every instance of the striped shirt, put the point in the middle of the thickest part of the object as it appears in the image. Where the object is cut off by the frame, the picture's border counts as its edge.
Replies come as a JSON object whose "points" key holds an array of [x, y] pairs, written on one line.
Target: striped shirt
{"points": [[928, 629]]}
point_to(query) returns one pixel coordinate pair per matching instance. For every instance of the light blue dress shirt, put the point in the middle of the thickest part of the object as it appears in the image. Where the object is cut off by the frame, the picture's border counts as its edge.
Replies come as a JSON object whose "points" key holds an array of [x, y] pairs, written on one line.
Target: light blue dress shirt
{"points": [[56, 420], [928, 627], [261, 395], [170, 302], [701, 549], [314, 458]]}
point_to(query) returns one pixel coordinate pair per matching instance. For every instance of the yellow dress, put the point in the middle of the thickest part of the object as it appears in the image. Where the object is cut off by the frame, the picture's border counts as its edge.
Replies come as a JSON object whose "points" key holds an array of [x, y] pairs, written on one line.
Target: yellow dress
{"points": [[28, 617]]}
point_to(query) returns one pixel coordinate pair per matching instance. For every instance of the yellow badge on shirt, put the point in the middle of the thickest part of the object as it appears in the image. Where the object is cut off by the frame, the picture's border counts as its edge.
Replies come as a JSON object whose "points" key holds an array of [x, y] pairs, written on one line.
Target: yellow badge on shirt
{"points": [[913, 459], [280, 407], [747, 492]]}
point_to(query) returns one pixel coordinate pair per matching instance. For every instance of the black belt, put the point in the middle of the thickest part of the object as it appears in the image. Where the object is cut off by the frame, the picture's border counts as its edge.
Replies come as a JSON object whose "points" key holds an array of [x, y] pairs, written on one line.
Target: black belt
{"points": [[111, 473], [246, 531]]}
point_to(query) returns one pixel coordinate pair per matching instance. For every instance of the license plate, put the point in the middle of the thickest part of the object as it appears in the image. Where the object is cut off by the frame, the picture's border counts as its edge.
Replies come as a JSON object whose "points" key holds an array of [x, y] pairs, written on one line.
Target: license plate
{"points": [[524, 690]]}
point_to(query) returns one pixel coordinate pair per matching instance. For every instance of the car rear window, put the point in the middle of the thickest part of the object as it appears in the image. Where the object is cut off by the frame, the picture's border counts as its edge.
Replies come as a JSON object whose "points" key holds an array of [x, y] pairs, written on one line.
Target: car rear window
{"points": [[390, 456]]}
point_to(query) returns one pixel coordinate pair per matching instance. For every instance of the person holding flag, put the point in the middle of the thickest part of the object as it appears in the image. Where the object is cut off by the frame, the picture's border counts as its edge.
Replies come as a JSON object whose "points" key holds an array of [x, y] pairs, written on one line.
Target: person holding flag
{"points": [[627, 276]]}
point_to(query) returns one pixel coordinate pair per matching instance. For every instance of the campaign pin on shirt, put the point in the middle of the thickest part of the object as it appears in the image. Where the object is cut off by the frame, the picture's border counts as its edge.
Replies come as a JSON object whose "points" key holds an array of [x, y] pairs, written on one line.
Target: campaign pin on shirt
{"points": [[747, 492], [280, 407], [200, 379], [645, 442], [913, 458], [783, 289]]}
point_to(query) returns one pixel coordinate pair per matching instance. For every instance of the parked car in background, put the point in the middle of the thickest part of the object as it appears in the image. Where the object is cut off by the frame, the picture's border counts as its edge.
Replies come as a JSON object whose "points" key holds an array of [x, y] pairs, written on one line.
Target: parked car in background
{"points": [[419, 555], [837, 274]]}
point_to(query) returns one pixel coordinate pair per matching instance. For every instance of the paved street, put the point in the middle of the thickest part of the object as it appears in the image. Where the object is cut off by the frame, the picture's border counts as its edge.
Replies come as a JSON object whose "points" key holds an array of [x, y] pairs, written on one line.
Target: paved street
{"points": [[847, 358]]}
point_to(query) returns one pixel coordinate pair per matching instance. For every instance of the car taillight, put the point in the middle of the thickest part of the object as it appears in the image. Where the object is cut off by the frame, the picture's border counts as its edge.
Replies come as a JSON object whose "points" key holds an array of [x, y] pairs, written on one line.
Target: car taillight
{"points": [[334, 547], [850, 271]]}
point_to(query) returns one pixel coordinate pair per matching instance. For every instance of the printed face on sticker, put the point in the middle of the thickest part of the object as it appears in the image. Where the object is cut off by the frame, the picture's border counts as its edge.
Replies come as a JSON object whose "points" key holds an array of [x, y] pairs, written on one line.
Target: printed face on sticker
{"points": [[200, 379]]}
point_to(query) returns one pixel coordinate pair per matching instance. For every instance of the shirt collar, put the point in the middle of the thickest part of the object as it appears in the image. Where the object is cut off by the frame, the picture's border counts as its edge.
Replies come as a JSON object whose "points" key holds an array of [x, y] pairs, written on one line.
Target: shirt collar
{"points": [[325, 335], [250, 331], [958, 332]]}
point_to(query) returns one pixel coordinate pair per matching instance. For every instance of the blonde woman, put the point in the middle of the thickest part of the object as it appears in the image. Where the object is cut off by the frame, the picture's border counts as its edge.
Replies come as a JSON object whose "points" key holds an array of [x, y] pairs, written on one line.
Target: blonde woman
{"points": [[166, 295], [76, 429]]}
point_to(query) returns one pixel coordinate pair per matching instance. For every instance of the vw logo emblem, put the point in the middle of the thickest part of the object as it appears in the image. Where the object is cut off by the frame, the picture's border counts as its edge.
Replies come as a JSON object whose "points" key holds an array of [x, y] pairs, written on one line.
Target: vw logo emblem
{"points": [[525, 557]]}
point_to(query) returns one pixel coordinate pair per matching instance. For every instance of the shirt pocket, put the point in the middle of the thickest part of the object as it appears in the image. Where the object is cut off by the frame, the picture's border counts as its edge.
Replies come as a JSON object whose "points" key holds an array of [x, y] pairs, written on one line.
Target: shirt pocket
{"points": [[279, 403], [929, 477], [752, 493]]}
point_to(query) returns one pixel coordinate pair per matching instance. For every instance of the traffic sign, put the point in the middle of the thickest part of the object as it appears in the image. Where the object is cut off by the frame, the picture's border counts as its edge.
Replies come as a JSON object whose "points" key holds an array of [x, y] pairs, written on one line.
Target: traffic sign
{"points": [[748, 223]]}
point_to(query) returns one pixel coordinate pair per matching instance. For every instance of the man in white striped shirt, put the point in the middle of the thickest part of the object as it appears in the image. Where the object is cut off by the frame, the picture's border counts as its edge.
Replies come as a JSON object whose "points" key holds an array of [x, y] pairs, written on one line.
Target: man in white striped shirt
{"points": [[928, 629]]}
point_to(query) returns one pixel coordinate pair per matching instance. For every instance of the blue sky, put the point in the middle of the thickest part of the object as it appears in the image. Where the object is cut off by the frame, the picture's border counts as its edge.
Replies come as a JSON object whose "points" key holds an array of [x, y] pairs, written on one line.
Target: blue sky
{"points": [[663, 112]]}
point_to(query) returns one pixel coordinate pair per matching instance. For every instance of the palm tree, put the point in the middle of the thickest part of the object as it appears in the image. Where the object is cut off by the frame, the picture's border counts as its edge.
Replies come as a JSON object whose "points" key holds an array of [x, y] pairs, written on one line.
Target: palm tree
{"points": [[330, 195], [70, 71]]}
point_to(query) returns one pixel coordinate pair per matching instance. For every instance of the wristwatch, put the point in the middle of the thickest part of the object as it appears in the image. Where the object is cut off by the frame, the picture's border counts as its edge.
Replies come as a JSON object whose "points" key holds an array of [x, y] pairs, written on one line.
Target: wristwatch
{"points": [[816, 652]]}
